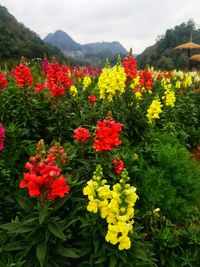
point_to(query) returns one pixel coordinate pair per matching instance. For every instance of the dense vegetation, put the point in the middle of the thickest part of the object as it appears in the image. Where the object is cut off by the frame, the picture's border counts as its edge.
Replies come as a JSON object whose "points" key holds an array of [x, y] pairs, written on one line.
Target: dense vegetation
{"points": [[162, 56], [127, 143], [16, 40]]}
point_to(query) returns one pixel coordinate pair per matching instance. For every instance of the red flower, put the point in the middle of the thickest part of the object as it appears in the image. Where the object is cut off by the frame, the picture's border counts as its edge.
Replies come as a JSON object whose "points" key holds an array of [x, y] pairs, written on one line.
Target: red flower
{"points": [[118, 165], [3, 80], [92, 98], [2, 136], [58, 78], [45, 64], [33, 183], [58, 188], [107, 135], [81, 135], [57, 90], [43, 179], [146, 79], [39, 87], [130, 66], [23, 75]]}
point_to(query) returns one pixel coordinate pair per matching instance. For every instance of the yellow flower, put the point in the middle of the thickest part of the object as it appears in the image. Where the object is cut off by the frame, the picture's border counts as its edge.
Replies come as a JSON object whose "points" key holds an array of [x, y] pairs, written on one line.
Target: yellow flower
{"points": [[111, 235], [93, 206], [124, 243], [111, 218], [170, 98], [86, 81], [104, 210], [138, 95], [73, 91], [89, 189], [111, 82], [104, 191], [178, 84], [154, 110]]}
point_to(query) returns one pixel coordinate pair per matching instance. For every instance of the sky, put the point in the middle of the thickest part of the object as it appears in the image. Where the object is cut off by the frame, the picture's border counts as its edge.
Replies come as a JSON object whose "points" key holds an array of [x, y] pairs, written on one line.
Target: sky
{"points": [[135, 24]]}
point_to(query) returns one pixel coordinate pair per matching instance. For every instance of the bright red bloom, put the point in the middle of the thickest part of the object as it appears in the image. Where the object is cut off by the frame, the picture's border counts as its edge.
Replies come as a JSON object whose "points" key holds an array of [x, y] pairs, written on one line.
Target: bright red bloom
{"points": [[92, 98], [81, 72], [2, 136], [3, 80], [39, 87], [56, 154], [118, 165], [49, 173], [130, 66], [81, 135], [33, 182], [45, 64], [23, 75], [57, 90], [43, 179], [58, 78], [107, 135], [146, 79], [58, 188]]}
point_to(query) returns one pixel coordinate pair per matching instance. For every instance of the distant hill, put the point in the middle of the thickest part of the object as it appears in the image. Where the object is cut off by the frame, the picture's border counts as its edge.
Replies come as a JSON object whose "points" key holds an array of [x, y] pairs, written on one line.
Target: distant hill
{"points": [[63, 41], [16, 40], [162, 55], [94, 53]]}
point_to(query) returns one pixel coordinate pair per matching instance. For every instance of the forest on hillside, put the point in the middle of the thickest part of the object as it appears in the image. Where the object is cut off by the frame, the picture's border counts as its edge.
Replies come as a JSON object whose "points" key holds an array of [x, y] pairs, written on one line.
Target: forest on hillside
{"points": [[162, 55]]}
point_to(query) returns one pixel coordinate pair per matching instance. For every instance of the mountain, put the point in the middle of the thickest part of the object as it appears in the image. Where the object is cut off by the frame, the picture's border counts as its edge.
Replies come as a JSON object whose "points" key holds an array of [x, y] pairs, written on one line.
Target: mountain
{"points": [[162, 55], [94, 53], [16, 40], [63, 41]]}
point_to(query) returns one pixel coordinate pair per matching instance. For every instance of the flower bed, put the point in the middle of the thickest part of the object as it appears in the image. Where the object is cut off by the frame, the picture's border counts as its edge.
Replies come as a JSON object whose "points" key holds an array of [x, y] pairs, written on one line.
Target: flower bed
{"points": [[98, 166]]}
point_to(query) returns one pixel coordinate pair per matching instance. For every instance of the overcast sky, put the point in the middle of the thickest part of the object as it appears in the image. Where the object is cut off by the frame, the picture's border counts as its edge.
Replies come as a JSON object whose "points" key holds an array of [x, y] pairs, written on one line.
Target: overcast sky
{"points": [[134, 23]]}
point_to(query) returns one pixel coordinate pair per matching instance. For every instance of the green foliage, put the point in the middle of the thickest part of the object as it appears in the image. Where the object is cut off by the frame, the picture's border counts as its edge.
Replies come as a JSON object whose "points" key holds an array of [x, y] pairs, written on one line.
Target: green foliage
{"points": [[38, 239], [168, 178], [16, 40], [174, 244], [63, 232], [162, 56]]}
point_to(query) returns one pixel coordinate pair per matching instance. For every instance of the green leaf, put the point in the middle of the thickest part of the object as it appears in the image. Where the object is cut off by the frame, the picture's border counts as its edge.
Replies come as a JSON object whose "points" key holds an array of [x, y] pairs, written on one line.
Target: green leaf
{"points": [[56, 230], [9, 226], [23, 229], [41, 250], [113, 261], [42, 215], [24, 203], [16, 245], [66, 252], [100, 260], [59, 203], [96, 244]]}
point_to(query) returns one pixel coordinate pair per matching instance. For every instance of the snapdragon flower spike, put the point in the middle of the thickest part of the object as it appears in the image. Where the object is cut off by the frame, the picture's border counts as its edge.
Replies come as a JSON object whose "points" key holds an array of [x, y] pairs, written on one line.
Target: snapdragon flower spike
{"points": [[146, 79], [107, 135], [58, 79], [2, 136], [56, 155], [81, 135], [45, 64], [115, 204], [22, 75], [130, 66], [118, 165], [3, 80], [43, 179]]}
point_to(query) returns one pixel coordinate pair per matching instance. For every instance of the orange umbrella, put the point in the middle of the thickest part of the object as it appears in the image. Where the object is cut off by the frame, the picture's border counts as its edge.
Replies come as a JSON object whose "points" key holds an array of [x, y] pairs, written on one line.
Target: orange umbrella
{"points": [[195, 57]]}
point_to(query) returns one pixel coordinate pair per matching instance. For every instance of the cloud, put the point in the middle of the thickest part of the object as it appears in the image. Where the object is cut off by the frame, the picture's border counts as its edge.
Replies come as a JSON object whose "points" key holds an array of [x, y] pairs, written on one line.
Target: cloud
{"points": [[133, 23]]}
